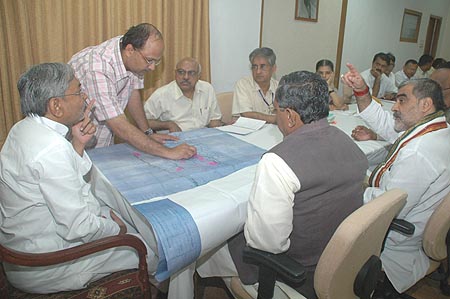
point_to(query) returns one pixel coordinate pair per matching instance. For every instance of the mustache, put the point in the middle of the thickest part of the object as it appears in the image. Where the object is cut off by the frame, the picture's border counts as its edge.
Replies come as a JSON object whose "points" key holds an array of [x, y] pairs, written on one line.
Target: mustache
{"points": [[396, 114]]}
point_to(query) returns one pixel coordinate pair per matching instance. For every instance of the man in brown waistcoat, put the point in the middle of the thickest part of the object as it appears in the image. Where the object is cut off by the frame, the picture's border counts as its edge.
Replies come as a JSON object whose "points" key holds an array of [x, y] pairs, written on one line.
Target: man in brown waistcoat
{"points": [[305, 186]]}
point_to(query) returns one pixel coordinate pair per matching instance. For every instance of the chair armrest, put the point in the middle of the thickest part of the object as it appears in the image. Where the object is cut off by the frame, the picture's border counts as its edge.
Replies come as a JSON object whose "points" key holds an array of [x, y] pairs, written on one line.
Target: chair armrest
{"points": [[280, 263], [402, 226], [52, 258]]}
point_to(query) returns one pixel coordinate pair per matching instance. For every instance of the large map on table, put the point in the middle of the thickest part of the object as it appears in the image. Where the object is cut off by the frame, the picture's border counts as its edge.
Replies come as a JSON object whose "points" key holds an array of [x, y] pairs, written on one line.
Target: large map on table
{"points": [[139, 176]]}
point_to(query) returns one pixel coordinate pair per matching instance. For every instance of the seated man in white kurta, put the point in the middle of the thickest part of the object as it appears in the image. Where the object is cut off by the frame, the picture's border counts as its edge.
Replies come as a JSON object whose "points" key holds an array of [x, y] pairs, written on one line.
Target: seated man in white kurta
{"points": [[379, 84], [46, 204], [184, 104], [418, 163]]}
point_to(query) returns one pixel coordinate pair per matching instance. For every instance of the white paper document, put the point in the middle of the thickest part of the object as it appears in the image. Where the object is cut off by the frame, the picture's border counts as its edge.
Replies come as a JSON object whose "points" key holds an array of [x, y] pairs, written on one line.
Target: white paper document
{"points": [[243, 126]]}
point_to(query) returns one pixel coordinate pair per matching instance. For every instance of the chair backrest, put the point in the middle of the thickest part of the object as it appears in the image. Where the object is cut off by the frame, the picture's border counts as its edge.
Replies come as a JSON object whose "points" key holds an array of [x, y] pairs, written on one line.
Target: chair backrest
{"points": [[356, 239], [225, 101], [436, 231]]}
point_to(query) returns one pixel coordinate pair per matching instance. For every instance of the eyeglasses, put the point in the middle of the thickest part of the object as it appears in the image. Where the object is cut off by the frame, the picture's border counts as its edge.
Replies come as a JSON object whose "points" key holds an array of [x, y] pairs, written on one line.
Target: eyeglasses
{"points": [[444, 89], [262, 67], [78, 94], [182, 72], [155, 62], [278, 109]]}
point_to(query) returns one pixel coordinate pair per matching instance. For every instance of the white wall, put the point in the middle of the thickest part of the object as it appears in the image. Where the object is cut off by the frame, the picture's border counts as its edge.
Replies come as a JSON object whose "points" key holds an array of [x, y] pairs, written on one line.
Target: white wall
{"points": [[374, 26], [300, 44], [234, 33]]}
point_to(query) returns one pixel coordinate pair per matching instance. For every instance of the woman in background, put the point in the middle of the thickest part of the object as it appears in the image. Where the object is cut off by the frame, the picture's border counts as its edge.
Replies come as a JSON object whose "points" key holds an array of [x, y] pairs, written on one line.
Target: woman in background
{"points": [[325, 69]]}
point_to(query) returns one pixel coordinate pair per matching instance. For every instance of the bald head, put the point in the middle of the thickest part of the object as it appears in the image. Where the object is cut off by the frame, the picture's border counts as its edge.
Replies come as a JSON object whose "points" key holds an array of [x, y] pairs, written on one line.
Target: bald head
{"points": [[190, 60], [442, 76]]}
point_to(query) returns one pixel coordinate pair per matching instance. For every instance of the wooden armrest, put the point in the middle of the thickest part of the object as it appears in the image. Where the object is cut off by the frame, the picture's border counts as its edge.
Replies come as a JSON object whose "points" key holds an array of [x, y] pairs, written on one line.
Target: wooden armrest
{"points": [[51, 258], [402, 226], [280, 263]]}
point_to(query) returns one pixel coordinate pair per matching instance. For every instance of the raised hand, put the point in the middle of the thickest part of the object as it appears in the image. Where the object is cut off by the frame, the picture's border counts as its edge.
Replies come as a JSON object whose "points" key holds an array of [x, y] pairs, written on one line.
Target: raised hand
{"points": [[353, 78]]}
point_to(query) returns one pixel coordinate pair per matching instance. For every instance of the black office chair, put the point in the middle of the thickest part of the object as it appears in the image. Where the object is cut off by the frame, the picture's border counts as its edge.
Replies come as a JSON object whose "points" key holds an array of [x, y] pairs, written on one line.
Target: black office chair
{"points": [[349, 267]]}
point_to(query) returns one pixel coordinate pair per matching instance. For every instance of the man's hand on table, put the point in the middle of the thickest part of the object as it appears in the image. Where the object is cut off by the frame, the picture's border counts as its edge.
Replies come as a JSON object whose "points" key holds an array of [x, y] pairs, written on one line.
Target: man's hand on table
{"points": [[182, 151], [161, 138], [362, 133]]}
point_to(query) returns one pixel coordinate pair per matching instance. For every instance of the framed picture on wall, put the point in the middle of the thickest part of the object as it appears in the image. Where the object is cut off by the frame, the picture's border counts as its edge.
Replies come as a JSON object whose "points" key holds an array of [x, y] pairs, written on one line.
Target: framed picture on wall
{"points": [[410, 26], [307, 10]]}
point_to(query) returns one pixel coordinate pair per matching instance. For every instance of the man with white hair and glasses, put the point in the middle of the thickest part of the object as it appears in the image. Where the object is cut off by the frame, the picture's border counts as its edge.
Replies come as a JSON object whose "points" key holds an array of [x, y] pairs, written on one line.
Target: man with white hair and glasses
{"points": [[254, 95]]}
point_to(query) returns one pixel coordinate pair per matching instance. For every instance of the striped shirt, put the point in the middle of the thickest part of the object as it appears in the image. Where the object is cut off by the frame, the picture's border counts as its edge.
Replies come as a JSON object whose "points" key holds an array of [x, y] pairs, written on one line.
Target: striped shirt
{"points": [[103, 77]]}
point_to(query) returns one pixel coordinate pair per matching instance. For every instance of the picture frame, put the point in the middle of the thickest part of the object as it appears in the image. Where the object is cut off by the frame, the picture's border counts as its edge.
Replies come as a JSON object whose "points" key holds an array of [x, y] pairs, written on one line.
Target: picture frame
{"points": [[307, 10], [410, 26]]}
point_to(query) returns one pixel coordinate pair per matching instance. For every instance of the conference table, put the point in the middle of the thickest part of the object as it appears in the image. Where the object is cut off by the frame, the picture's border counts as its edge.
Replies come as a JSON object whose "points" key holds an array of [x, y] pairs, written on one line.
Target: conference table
{"points": [[216, 210]]}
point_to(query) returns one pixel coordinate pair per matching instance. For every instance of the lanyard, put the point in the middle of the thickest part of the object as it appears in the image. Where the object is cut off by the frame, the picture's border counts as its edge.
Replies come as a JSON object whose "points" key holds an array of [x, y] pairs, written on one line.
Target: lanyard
{"points": [[264, 99]]}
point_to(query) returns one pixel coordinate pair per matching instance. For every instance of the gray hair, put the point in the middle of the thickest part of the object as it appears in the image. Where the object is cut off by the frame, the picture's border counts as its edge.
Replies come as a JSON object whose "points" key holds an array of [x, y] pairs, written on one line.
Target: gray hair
{"points": [[267, 53], [138, 35], [41, 83], [427, 88], [306, 93]]}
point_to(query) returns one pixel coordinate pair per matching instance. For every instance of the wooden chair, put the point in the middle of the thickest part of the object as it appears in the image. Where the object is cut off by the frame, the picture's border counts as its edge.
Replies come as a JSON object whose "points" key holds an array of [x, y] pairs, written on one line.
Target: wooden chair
{"points": [[225, 101], [133, 283], [349, 267]]}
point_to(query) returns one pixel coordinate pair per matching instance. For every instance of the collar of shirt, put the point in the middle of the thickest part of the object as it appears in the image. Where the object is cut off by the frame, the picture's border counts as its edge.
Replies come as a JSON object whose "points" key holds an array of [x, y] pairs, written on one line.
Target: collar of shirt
{"points": [[272, 87], [56, 126], [179, 93]]}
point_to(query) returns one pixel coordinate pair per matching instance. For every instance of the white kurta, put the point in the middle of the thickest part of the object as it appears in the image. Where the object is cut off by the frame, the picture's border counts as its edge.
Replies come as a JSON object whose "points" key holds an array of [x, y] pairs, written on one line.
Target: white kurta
{"points": [[270, 206], [168, 103], [422, 169], [46, 205]]}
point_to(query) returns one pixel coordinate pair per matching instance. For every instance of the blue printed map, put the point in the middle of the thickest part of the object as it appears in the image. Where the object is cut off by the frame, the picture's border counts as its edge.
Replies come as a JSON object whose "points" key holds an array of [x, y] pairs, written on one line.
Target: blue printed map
{"points": [[139, 176]]}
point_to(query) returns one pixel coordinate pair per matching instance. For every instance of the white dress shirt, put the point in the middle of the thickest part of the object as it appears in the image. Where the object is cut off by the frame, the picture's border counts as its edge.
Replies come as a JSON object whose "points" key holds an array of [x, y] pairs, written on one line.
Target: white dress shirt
{"points": [[421, 74], [386, 85], [400, 77], [168, 103], [248, 97]]}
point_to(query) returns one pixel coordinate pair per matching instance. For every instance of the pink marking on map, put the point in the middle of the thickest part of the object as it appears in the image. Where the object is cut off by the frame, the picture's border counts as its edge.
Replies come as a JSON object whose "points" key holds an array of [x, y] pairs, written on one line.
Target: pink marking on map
{"points": [[200, 158], [179, 169], [213, 163], [136, 154]]}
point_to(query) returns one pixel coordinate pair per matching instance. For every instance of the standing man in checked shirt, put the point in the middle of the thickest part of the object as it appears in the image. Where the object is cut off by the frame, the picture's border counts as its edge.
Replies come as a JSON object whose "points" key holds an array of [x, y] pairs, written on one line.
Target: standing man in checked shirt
{"points": [[112, 73], [253, 96]]}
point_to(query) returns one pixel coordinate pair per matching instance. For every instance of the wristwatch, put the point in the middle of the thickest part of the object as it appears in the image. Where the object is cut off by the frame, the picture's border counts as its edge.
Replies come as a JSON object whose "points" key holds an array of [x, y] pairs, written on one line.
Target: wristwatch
{"points": [[149, 131]]}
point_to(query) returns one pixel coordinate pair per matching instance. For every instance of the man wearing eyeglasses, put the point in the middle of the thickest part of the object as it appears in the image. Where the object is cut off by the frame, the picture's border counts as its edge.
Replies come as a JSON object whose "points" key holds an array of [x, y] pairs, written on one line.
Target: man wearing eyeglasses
{"points": [[112, 73], [254, 95], [184, 104]]}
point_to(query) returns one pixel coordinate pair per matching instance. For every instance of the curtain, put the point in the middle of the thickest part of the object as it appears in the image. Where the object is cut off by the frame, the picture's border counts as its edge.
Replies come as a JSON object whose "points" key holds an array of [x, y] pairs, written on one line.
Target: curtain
{"points": [[33, 32]]}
